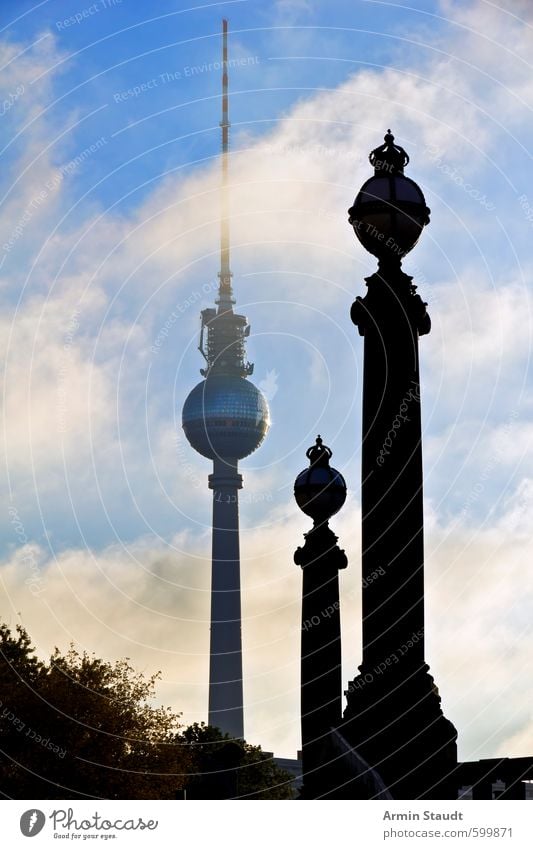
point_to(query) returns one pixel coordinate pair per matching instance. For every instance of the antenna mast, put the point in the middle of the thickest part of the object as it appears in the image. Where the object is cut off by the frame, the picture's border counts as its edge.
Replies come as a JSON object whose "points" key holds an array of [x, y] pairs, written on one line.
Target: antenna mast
{"points": [[223, 333], [225, 291]]}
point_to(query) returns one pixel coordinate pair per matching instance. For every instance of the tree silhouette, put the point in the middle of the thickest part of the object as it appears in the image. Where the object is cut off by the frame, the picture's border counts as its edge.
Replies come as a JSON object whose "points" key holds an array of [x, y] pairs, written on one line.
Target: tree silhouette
{"points": [[79, 727], [227, 768]]}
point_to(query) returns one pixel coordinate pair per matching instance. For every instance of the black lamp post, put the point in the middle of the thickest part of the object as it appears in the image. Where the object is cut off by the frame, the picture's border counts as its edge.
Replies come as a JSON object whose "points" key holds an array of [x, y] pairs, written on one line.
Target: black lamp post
{"points": [[393, 716], [320, 491]]}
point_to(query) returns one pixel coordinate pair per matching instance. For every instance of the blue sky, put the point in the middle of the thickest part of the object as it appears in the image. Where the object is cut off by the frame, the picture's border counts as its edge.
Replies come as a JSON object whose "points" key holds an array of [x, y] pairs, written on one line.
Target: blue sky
{"points": [[109, 225]]}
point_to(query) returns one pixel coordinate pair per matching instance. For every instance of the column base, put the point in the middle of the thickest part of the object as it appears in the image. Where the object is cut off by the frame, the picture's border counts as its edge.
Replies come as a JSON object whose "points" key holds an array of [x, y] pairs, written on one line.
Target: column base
{"points": [[395, 722]]}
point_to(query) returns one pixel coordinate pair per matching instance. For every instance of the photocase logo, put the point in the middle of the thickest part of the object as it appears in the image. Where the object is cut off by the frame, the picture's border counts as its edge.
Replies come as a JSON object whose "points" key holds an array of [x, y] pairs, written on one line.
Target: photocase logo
{"points": [[32, 822]]}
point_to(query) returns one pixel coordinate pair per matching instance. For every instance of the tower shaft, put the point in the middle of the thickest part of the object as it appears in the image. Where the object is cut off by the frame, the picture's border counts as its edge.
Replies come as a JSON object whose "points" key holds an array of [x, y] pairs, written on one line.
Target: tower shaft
{"points": [[225, 668]]}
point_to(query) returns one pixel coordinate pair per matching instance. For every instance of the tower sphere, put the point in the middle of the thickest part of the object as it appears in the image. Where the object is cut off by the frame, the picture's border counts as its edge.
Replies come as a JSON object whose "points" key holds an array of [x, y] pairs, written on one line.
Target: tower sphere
{"points": [[319, 490], [390, 212], [225, 416]]}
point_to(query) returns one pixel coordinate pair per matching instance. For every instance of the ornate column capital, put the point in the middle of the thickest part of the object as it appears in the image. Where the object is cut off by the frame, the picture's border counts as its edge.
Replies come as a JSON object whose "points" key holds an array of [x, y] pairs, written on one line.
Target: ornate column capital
{"points": [[391, 295], [320, 550]]}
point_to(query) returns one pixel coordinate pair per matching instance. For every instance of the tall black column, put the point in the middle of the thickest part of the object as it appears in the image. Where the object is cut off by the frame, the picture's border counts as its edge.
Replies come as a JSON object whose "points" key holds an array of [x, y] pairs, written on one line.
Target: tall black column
{"points": [[394, 718], [391, 485], [225, 670]]}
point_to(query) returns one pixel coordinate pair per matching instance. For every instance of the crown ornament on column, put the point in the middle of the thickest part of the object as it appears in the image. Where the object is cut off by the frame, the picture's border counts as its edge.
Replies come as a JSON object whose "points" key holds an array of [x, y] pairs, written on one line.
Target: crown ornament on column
{"points": [[389, 157]]}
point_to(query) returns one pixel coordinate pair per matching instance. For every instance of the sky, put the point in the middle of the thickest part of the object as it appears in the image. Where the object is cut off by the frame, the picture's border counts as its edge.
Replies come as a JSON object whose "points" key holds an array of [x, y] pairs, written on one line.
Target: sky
{"points": [[109, 211]]}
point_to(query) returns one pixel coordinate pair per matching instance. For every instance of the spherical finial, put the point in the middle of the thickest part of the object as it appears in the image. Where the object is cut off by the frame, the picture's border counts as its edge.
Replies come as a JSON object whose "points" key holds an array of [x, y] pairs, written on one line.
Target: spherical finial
{"points": [[320, 491], [389, 212]]}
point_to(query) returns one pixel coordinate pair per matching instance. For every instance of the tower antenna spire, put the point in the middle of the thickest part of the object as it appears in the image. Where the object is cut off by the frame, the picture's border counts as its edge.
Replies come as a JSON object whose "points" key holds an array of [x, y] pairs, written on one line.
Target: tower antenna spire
{"points": [[225, 275]]}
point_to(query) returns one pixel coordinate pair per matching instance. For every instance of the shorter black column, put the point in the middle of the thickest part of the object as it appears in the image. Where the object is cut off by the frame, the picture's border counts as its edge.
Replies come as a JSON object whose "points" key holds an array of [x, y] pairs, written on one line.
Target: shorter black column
{"points": [[321, 676], [320, 491]]}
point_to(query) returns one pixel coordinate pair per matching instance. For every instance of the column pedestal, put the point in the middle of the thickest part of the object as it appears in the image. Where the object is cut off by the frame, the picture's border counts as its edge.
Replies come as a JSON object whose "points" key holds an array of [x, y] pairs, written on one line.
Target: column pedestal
{"points": [[394, 721]]}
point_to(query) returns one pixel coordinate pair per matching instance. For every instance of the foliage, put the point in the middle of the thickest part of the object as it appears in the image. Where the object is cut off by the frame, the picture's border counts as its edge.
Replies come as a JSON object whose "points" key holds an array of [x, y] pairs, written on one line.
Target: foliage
{"points": [[233, 768], [79, 727]]}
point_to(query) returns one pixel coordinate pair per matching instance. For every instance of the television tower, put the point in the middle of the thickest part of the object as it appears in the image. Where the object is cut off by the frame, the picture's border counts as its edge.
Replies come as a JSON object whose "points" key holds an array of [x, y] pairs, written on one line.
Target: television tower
{"points": [[225, 418]]}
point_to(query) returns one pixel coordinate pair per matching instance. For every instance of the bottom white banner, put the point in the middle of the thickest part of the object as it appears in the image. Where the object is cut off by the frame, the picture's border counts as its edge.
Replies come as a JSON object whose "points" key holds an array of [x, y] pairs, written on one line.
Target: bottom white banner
{"points": [[261, 824]]}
